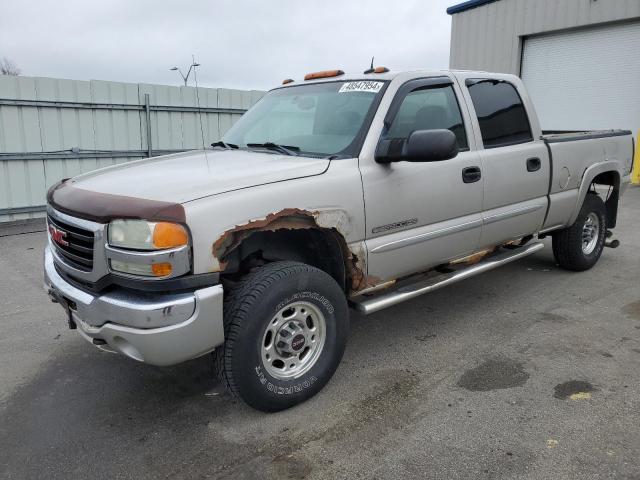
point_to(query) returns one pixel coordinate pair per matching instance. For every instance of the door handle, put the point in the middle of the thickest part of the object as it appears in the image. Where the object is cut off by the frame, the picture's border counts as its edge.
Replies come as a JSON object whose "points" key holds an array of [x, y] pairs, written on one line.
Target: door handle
{"points": [[533, 164], [471, 174]]}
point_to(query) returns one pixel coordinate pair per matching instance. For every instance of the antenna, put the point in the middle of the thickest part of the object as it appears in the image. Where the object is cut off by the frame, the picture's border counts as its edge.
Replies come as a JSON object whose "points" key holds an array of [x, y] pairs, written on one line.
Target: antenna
{"points": [[372, 62], [195, 78]]}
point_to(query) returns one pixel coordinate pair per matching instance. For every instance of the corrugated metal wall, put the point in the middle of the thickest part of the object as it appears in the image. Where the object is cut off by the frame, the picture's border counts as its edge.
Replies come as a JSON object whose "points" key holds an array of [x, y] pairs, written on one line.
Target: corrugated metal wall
{"points": [[103, 122], [596, 77], [489, 37]]}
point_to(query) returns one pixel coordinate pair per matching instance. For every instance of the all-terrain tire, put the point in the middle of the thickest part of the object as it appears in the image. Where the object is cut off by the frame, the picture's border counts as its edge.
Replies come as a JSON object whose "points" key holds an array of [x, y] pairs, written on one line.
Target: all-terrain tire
{"points": [[250, 311], [568, 243]]}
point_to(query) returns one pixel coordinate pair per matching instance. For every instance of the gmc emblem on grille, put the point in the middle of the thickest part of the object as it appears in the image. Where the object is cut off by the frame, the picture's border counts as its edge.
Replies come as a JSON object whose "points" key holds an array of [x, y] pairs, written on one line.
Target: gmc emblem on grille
{"points": [[58, 236]]}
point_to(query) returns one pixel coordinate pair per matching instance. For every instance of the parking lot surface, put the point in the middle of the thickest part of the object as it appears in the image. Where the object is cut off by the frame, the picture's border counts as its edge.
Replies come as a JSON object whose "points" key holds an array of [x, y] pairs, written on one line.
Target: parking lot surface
{"points": [[526, 372]]}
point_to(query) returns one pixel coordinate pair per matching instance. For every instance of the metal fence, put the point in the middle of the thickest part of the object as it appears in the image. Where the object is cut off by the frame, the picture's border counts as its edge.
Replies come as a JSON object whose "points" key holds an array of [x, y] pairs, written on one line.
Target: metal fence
{"points": [[52, 129]]}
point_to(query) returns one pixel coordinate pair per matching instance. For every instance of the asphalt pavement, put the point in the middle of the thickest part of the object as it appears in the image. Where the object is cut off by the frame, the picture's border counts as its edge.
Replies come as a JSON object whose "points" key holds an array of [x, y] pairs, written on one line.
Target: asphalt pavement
{"points": [[525, 372]]}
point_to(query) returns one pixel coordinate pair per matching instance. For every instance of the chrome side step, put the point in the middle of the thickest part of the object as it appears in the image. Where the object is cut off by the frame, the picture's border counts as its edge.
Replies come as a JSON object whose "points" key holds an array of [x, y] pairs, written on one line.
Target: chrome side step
{"points": [[369, 305]]}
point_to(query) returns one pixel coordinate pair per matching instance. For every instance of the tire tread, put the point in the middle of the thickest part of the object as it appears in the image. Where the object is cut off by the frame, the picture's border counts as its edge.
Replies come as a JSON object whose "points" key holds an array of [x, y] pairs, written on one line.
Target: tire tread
{"points": [[237, 303], [567, 243]]}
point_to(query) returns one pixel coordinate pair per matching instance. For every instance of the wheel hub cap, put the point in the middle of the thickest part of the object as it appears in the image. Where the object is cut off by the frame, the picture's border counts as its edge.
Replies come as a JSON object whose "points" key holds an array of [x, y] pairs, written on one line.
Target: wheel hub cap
{"points": [[290, 339], [293, 340], [590, 233]]}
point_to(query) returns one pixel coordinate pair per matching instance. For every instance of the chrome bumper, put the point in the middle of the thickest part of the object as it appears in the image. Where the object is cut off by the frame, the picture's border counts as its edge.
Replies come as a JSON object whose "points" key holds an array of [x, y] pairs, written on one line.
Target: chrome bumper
{"points": [[159, 329]]}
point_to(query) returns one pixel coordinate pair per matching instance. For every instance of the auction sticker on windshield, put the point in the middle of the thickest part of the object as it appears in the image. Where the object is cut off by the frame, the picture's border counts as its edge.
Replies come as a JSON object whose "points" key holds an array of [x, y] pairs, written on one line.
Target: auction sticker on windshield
{"points": [[362, 86]]}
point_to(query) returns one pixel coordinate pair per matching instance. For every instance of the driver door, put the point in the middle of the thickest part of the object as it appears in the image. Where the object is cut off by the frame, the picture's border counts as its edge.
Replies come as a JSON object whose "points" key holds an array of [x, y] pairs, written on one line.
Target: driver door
{"points": [[421, 214]]}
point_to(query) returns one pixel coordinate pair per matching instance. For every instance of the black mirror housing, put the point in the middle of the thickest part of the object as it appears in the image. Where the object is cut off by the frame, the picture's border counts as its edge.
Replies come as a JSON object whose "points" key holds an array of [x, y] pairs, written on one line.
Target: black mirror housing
{"points": [[431, 146], [421, 146]]}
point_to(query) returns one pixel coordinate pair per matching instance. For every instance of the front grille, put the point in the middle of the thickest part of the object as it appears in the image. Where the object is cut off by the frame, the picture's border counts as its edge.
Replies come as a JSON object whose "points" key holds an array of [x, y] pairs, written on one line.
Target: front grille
{"points": [[78, 251]]}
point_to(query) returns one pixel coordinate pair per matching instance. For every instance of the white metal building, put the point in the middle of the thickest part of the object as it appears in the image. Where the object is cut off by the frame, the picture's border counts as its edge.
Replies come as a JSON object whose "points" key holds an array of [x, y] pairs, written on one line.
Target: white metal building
{"points": [[53, 128], [580, 59]]}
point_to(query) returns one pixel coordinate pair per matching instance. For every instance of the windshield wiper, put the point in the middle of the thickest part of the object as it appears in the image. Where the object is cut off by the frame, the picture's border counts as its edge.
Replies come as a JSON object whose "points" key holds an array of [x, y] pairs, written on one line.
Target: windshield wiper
{"points": [[220, 143], [285, 149]]}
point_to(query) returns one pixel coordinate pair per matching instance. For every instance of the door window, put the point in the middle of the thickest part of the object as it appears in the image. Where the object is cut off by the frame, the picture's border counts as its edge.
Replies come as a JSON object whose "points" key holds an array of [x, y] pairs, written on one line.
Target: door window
{"points": [[429, 109], [502, 117]]}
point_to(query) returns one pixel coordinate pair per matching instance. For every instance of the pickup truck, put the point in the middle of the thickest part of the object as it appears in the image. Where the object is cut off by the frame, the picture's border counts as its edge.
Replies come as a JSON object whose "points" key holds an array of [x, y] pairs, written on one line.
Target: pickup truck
{"points": [[333, 191]]}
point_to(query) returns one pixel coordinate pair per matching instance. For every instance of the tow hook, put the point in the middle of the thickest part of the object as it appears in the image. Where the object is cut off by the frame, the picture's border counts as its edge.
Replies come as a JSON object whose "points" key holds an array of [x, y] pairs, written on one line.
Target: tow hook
{"points": [[610, 241]]}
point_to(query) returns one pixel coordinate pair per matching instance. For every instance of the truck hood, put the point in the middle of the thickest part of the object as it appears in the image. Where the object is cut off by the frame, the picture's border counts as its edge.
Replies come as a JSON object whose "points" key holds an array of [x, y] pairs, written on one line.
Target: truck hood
{"points": [[182, 177]]}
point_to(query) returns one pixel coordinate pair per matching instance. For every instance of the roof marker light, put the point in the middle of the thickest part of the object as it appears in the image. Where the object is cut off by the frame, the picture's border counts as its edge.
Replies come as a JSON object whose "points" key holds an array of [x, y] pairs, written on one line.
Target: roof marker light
{"points": [[323, 74], [377, 70], [287, 80]]}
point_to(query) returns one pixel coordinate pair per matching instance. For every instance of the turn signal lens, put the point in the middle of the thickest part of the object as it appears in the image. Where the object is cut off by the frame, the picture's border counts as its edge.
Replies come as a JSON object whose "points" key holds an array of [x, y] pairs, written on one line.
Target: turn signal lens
{"points": [[142, 269], [169, 235], [161, 269]]}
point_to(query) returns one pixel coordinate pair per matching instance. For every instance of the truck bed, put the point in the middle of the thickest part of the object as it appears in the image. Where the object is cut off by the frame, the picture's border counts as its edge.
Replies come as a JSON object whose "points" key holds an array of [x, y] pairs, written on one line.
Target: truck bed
{"points": [[571, 154]]}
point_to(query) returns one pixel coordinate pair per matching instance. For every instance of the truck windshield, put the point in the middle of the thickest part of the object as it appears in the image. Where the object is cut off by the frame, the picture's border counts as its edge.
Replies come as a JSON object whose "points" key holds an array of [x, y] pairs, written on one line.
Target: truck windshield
{"points": [[319, 119]]}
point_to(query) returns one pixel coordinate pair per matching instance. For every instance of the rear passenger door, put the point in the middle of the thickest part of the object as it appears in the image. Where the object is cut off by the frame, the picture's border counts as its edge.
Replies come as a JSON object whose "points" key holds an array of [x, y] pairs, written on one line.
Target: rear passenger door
{"points": [[515, 165]]}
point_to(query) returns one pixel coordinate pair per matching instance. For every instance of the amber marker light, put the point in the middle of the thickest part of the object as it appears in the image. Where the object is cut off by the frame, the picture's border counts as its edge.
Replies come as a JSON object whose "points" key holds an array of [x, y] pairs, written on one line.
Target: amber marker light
{"points": [[161, 269], [287, 80], [323, 74], [377, 70], [169, 235]]}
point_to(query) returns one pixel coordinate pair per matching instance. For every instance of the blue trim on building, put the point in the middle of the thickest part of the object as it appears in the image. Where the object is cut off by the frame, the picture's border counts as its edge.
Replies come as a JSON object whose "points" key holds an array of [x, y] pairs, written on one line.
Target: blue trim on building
{"points": [[461, 7]]}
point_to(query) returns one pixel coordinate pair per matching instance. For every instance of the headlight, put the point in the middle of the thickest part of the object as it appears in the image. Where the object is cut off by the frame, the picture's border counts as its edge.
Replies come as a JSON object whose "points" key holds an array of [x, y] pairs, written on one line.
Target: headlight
{"points": [[143, 235], [141, 248]]}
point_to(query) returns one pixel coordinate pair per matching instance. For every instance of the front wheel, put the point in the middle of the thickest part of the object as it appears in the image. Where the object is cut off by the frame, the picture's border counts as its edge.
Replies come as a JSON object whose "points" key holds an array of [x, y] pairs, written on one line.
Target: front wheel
{"points": [[286, 327], [579, 246]]}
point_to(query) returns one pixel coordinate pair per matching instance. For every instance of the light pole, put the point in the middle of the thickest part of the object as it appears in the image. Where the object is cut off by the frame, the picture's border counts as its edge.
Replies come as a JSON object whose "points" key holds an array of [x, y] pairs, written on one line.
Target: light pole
{"points": [[191, 67]]}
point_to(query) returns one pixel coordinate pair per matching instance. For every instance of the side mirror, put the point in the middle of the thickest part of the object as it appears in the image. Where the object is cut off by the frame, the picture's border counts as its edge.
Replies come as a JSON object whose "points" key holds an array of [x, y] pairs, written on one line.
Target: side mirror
{"points": [[421, 146]]}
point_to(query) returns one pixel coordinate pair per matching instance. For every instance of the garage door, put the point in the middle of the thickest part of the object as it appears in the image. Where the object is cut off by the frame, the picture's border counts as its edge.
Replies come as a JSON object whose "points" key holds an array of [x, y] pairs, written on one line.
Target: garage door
{"points": [[585, 79]]}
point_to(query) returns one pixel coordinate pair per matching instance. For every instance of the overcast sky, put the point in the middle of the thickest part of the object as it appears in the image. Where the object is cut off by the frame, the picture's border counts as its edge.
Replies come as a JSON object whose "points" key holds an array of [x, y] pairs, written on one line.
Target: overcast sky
{"points": [[240, 44]]}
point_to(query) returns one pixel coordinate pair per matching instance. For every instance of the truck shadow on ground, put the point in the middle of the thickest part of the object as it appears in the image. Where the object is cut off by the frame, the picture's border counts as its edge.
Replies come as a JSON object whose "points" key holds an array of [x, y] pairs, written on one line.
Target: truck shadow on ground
{"points": [[85, 399]]}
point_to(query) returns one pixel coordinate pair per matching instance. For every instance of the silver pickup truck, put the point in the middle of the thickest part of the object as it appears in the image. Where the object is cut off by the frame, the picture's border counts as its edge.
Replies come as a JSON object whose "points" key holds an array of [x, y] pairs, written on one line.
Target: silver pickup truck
{"points": [[333, 191]]}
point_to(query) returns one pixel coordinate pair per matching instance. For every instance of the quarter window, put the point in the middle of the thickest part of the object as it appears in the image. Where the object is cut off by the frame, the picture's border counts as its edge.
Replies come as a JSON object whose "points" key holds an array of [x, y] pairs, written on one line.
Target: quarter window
{"points": [[502, 117], [429, 109]]}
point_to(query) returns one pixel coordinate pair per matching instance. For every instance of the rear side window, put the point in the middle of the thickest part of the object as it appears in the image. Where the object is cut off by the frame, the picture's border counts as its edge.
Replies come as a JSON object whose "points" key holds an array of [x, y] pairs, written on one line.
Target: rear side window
{"points": [[502, 117], [429, 108]]}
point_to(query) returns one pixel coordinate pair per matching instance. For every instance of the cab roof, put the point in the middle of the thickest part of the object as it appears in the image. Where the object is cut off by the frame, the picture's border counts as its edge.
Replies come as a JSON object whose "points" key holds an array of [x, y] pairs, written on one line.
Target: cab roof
{"points": [[386, 76]]}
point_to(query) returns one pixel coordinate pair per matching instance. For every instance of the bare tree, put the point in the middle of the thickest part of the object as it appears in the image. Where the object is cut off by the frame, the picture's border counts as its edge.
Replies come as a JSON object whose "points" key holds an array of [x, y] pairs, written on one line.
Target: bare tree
{"points": [[7, 67]]}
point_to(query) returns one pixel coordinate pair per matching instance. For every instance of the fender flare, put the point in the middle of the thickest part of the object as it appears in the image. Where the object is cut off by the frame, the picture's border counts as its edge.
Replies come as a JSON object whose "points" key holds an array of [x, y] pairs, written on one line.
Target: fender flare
{"points": [[587, 178]]}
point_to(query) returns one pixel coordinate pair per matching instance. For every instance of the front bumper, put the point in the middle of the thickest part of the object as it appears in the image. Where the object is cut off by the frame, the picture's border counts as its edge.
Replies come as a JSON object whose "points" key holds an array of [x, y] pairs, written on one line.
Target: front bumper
{"points": [[159, 329]]}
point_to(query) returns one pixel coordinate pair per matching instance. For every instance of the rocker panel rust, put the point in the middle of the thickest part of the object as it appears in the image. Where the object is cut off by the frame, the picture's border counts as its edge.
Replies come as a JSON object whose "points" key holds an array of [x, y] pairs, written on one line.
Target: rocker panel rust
{"points": [[295, 219]]}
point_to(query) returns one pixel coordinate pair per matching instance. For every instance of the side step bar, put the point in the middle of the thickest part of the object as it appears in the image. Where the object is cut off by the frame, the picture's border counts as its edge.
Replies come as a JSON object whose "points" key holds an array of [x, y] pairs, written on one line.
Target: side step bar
{"points": [[369, 305]]}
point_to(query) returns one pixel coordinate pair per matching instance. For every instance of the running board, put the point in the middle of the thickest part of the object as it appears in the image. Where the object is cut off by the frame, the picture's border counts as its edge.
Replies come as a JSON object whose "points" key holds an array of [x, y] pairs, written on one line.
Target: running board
{"points": [[372, 304]]}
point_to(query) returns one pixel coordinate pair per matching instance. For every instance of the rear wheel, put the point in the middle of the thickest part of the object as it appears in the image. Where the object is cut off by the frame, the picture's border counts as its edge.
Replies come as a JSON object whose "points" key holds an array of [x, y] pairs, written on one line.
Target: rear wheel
{"points": [[579, 246], [286, 326]]}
